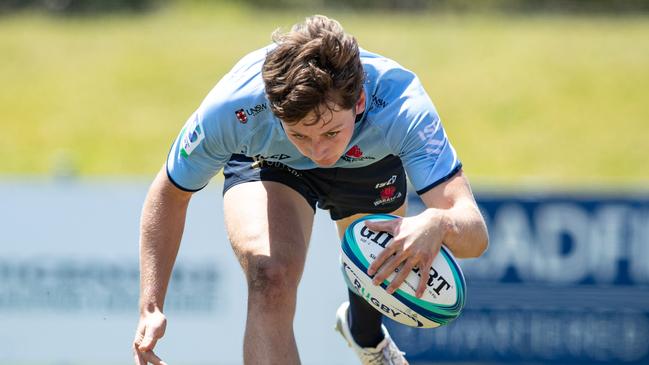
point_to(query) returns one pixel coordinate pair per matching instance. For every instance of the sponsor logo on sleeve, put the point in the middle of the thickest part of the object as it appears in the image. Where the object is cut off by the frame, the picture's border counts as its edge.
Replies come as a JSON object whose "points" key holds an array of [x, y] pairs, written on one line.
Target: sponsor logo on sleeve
{"points": [[192, 137], [427, 135]]}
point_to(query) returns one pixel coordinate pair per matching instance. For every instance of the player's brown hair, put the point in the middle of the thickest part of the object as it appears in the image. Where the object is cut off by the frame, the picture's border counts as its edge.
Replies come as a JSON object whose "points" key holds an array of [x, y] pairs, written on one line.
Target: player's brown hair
{"points": [[315, 67]]}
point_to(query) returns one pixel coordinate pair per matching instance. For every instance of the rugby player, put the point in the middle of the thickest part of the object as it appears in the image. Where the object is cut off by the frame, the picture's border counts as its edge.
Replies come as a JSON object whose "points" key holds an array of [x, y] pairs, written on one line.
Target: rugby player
{"points": [[309, 121]]}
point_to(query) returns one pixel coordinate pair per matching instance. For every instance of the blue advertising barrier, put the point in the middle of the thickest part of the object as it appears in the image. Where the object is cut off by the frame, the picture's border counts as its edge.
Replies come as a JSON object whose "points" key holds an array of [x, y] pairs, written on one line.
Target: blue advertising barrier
{"points": [[565, 281]]}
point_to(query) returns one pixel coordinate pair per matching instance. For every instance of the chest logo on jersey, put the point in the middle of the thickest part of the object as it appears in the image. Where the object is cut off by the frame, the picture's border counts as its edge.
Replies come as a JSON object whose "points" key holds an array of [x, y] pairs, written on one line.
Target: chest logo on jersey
{"points": [[276, 157], [192, 135], [243, 114], [260, 161], [356, 154]]}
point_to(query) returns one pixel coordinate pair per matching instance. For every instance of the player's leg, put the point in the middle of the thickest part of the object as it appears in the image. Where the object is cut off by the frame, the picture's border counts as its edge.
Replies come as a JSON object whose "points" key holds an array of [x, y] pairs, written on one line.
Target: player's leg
{"points": [[269, 225], [361, 324], [363, 319], [377, 188]]}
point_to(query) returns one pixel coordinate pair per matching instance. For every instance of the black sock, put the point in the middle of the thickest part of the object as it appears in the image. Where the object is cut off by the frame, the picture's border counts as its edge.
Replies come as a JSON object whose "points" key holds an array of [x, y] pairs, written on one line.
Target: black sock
{"points": [[364, 322]]}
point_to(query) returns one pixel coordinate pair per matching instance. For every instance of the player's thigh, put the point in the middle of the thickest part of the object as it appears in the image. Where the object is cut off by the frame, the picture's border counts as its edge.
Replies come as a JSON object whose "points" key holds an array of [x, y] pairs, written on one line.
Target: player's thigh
{"points": [[342, 224], [269, 226]]}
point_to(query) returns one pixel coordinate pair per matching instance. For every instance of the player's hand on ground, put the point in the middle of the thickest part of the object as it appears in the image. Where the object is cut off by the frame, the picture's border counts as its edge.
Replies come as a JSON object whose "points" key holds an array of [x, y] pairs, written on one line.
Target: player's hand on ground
{"points": [[150, 329], [417, 240]]}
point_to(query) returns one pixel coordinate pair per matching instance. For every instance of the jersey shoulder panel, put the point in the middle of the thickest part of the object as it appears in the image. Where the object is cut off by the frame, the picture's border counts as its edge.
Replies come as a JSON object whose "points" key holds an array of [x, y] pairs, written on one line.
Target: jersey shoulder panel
{"points": [[401, 109], [227, 118]]}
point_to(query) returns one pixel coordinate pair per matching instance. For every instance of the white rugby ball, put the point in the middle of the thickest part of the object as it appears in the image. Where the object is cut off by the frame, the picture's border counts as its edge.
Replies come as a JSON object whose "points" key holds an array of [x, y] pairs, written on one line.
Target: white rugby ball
{"points": [[443, 298]]}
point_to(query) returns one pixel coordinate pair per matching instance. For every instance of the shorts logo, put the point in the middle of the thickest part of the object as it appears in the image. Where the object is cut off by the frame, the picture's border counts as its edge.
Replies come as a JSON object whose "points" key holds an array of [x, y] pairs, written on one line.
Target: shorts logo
{"points": [[388, 195], [391, 181], [355, 154], [192, 137], [241, 115]]}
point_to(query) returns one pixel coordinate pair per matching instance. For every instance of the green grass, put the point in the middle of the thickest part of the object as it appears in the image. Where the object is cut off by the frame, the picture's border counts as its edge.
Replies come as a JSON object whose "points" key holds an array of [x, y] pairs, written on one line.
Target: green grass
{"points": [[551, 99]]}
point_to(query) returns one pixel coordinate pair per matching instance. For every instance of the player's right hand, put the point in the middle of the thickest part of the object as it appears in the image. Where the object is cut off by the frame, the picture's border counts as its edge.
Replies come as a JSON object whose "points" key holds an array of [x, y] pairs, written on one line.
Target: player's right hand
{"points": [[150, 329]]}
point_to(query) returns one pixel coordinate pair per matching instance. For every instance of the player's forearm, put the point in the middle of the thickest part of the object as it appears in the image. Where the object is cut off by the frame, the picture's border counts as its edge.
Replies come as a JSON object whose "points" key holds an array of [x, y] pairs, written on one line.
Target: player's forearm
{"points": [[161, 228], [464, 229]]}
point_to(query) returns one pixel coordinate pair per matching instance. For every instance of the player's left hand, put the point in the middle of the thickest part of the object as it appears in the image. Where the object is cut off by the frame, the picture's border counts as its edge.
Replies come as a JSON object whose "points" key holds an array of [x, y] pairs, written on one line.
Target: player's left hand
{"points": [[417, 240]]}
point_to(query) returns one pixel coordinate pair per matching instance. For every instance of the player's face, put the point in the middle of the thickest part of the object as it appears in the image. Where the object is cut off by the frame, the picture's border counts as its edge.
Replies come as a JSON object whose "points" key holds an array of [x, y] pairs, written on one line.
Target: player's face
{"points": [[325, 141]]}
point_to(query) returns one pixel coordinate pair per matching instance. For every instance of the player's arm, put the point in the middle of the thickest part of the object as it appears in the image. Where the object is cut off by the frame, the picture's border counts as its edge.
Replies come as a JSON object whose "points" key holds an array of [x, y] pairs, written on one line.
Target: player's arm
{"points": [[461, 225], [161, 227], [451, 217]]}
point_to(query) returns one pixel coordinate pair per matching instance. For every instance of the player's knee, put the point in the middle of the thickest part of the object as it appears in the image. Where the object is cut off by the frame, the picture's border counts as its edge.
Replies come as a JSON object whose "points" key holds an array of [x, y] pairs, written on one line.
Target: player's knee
{"points": [[276, 280]]}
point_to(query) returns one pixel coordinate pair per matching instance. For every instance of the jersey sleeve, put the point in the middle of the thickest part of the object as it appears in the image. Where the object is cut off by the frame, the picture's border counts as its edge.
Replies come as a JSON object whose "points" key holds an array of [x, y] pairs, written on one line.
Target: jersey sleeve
{"points": [[420, 140], [199, 152]]}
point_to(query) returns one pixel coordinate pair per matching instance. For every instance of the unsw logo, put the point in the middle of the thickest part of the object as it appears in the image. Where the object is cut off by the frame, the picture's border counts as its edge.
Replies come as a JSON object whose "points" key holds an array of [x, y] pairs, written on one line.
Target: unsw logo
{"points": [[242, 114], [356, 154]]}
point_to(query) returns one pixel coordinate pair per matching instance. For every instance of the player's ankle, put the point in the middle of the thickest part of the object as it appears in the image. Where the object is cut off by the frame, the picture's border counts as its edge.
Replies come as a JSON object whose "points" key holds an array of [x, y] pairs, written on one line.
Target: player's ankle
{"points": [[365, 338]]}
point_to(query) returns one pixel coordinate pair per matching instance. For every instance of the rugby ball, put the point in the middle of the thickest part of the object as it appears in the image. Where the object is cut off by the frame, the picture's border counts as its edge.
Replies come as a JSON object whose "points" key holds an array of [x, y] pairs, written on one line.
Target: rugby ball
{"points": [[443, 298]]}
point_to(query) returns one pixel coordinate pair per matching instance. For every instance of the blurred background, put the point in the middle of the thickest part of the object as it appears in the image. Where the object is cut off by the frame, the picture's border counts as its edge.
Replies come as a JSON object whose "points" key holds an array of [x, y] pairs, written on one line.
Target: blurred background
{"points": [[546, 102]]}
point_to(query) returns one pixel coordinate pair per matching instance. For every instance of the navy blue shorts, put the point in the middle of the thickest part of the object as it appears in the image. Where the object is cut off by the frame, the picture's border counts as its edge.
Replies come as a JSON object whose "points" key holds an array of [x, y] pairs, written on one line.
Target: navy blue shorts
{"points": [[377, 188]]}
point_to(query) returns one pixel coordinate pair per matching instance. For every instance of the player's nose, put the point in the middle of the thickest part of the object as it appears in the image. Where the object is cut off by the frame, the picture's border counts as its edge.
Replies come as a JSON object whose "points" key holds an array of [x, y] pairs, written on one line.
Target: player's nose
{"points": [[318, 151]]}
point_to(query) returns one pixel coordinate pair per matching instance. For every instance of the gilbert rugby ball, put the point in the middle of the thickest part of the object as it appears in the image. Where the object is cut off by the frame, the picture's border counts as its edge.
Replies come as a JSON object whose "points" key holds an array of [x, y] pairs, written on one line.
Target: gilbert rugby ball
{"points": [[443, 298]]}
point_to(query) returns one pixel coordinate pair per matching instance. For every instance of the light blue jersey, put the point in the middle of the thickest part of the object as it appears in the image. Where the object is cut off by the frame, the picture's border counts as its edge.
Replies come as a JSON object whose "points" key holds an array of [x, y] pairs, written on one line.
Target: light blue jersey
{"points": [[235, 118]]}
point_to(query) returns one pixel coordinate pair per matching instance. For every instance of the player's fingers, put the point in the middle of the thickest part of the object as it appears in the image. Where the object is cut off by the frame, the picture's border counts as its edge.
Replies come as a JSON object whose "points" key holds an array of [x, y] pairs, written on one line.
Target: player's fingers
{"points": [[152, 358], [381, 259], [137, 356], [147, 344], [387, 268], [424, 275], [379, 226], [150, 338], [404, 270], [389, 226], [139, 333], [137, 341]]}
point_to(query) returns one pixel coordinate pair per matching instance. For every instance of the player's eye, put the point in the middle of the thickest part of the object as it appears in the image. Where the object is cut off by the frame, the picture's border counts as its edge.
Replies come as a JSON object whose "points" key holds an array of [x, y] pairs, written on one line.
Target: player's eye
{"points": [[298, 136], [331, 134]]}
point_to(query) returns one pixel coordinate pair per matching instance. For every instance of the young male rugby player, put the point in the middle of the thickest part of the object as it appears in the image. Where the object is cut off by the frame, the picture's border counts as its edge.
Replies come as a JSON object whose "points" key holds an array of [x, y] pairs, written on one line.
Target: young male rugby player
{"points": [[308, 121]]}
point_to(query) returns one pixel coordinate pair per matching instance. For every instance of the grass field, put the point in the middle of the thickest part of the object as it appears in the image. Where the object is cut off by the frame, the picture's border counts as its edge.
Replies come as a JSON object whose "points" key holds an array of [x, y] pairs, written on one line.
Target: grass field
{"points": [[556, 100]]}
